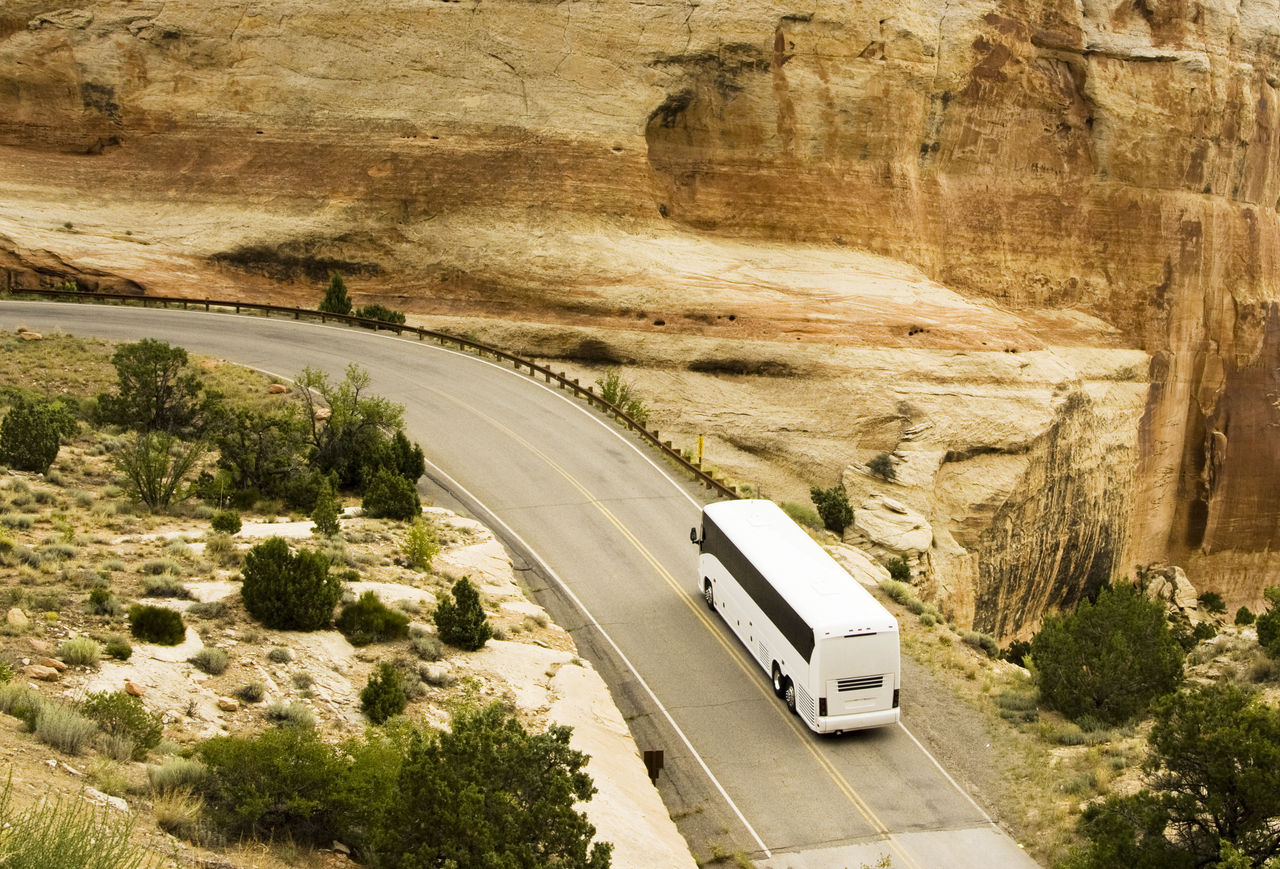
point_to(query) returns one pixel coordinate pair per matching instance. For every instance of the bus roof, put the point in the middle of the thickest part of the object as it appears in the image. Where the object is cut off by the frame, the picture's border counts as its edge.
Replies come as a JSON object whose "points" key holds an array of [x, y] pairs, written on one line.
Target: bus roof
{"points": [[821, 592]]}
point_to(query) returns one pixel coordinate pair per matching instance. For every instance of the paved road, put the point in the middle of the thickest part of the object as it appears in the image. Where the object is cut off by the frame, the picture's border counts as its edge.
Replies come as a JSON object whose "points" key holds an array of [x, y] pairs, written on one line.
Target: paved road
{"points": [[601, 528]]}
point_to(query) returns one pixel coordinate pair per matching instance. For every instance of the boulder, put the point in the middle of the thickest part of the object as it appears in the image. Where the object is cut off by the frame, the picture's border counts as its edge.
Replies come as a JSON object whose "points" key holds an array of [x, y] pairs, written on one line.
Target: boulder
{"points": [[41, 672], [102, 799], [898, 528], [134, 689], [277, 389], [52, 662], [17, 618], [226, 704], [861, 566]]}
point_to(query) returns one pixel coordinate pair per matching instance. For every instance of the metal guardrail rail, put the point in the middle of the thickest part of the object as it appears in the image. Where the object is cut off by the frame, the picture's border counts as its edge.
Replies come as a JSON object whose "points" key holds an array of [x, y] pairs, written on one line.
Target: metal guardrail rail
{"points": [[585, 392]]}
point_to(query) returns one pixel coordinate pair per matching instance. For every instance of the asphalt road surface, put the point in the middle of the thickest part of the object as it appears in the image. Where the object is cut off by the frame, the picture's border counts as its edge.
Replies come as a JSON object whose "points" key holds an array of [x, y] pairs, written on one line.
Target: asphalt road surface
{"points": [[599, 525]]}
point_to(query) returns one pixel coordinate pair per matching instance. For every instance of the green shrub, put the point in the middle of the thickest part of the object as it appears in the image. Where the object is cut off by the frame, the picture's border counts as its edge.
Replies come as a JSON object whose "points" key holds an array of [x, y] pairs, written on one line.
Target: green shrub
{"points": [[882, 466], [1245, 616], [1212, 601], [279, 655], [158, 566], [102, 602], [32, 432], [211, 660], [64, 728], [176, 773], [1268, 623], [22, 702], [383, 696], [154, 624], [1108, 659], [833, 506], [289, 591], [1203, 631], [426, 647], [462, 622], [381, 313], [252, 692], [336, 300], [391, 496], [533, 786], [1212, 795], [278, 784], [156, 465], [984, 642], [209, 609], [291, 714], [68, 833], [80, 652], [622, 395], [120, 650], [421, 545], [164, 585], [226, 522], [898, 591], [121, 714], [369, 620], [327, 512], [221, 549], [898, 569], [156, 390], [1017, 652]]}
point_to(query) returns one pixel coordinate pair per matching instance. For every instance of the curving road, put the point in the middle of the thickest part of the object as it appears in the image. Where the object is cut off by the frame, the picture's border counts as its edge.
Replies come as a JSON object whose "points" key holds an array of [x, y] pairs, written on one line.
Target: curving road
{"points": [[601, 529]]}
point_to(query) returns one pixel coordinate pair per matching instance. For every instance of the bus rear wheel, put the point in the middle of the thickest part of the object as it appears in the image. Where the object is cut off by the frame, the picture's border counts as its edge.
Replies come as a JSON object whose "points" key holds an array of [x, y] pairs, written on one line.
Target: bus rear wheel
{"points": [[789, 695], [778, 681], [708, 595]]}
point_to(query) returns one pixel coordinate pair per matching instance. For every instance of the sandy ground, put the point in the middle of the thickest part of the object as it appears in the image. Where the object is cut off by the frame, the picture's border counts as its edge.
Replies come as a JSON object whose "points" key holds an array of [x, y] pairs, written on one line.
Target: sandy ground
{"points": [[540, 671]]}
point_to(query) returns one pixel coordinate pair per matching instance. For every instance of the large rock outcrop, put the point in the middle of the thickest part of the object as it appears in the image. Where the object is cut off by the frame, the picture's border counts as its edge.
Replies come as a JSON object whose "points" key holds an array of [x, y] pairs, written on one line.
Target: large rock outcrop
{"points": [[1041, 168]]}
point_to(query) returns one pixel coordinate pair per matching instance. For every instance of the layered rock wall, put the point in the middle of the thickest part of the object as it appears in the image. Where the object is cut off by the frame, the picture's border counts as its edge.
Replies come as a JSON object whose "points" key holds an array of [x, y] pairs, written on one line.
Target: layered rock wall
{"points": [[1114, 158]]}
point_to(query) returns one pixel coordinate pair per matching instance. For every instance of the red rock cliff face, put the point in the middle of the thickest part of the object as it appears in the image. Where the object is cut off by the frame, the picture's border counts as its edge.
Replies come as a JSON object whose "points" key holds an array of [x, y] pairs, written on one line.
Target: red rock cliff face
{"points": [[1116, 158]]}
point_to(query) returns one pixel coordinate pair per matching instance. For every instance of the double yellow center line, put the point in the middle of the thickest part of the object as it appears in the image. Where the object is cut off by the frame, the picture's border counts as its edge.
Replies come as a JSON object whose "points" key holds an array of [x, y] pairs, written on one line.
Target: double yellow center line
{"points": [[735, 653]]}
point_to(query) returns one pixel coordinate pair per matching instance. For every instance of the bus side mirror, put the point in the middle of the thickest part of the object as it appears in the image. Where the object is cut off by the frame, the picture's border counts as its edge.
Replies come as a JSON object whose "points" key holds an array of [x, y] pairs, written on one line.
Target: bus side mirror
{"points": [[693, 536]]}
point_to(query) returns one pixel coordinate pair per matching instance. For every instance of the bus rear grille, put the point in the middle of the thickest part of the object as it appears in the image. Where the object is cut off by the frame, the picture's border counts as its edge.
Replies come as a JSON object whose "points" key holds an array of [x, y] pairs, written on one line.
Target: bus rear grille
{"points": [[862, 683]]}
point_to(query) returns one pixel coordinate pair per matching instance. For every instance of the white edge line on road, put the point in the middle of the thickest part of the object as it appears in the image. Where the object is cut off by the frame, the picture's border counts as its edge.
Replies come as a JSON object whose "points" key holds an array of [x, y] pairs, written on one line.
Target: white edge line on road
{"points": [[630, 442], [591, 620]]}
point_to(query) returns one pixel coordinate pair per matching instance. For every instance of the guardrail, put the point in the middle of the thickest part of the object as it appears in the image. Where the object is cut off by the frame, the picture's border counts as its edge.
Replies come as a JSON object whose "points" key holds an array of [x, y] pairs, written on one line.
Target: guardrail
{"points": [[585, 392]]}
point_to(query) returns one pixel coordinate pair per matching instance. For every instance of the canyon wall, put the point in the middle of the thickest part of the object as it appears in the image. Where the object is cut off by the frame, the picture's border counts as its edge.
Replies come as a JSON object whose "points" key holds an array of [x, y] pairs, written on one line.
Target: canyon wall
{"points": [[1116, 160]]}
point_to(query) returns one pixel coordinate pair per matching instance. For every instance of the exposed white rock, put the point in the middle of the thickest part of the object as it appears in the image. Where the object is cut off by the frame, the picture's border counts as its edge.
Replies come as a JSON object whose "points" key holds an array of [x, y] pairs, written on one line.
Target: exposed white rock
{"points": [[902, 529]]}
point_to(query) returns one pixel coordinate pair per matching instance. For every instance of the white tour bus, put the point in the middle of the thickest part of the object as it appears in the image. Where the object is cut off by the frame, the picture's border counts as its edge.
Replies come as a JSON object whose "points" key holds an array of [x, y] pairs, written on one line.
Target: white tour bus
{"points": [[829, 646]]}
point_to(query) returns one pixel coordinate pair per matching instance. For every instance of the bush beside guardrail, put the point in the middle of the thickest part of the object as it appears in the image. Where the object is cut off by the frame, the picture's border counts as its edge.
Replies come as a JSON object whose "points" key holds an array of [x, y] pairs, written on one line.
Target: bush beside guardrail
{"points": [[535, 370]]}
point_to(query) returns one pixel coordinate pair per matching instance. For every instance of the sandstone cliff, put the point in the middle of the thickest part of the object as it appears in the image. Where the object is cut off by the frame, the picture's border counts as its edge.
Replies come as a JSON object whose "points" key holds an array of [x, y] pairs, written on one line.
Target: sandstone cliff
{"points": [[1048, 177]]}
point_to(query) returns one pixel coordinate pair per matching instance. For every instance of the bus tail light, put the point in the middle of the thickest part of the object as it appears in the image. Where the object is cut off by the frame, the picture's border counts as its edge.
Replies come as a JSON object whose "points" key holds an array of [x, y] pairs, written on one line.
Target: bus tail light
{"points": [[896, 691], [822, 705]]}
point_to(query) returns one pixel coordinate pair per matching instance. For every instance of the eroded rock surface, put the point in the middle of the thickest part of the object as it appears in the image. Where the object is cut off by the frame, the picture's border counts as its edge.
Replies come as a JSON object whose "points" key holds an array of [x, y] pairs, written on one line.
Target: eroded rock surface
{"points": [[1061, 180]]}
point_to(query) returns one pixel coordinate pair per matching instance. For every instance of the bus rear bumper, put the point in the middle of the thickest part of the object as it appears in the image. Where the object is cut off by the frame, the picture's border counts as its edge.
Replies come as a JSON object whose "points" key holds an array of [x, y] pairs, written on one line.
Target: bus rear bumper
{"points": [[860, 721]]}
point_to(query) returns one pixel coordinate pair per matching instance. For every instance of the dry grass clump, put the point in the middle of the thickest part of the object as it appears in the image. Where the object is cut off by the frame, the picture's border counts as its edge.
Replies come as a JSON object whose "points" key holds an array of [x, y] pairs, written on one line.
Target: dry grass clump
{"points": [[164, 585], [176, 773], [211, 660], [80, 652], [64, 728]]}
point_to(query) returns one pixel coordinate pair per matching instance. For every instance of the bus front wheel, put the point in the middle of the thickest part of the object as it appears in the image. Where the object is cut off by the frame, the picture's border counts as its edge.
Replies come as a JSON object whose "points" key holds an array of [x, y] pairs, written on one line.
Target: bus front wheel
{"points": [[708, 595], [789, 694], [778, 681]]}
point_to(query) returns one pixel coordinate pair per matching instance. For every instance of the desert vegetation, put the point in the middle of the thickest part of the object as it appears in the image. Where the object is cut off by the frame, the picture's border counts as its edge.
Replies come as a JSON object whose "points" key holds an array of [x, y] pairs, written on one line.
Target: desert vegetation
{"points": [[1127, 736], [92, 567]]}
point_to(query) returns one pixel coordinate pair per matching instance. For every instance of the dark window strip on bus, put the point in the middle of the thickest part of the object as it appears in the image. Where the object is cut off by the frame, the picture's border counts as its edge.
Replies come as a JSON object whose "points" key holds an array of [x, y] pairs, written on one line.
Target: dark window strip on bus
{"points": [[770, 601]]}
